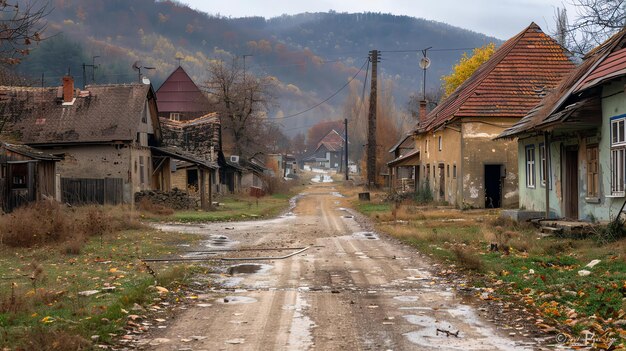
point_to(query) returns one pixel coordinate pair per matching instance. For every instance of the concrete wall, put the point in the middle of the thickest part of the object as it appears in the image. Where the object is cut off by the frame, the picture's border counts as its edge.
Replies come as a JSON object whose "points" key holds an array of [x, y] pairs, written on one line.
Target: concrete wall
{"points": [[479, 149], [469, 146], [108, 161], [432, 157]]}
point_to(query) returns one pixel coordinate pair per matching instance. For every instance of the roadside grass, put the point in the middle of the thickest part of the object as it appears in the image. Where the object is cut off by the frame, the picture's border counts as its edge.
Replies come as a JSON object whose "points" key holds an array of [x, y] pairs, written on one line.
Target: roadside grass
{"points": [[232, 209], [40, 304], [541, 271]]}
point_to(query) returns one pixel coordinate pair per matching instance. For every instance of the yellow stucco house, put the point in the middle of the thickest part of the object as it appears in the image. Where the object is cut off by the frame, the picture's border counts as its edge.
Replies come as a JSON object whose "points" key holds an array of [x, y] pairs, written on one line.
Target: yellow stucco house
{"points": [[454, 154]]}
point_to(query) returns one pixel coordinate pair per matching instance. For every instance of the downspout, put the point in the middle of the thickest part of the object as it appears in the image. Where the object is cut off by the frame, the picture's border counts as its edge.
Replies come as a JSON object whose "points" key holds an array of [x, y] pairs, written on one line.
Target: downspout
{"points": [[546, 148]]}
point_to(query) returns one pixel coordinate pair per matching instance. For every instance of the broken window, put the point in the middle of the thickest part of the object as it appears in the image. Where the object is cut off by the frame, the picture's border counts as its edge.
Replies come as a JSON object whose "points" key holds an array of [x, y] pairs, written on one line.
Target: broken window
{"points": [[618, 154], [454, 171], [530, 166], [593, 188]]}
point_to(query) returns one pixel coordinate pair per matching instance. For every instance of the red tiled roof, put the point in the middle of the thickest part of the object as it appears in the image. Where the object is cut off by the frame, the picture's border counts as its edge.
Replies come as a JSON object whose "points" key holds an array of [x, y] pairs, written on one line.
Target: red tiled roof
{"points": [[180, 94], [333, 137], [510, 83], [604, 62]]}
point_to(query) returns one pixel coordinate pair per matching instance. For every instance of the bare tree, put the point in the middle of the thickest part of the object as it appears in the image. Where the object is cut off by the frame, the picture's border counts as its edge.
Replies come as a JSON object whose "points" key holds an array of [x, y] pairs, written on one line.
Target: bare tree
{"points": [[594, 22], [21, 25], [243, 101]]}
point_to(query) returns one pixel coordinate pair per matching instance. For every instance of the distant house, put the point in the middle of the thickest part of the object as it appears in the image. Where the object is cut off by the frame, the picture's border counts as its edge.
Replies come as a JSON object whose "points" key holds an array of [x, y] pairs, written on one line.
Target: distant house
{"points": [[254, 176], [404, 167], [109, 137], [328, 153], [455, 156], [572, 146], [282, 165], [26, 175]]}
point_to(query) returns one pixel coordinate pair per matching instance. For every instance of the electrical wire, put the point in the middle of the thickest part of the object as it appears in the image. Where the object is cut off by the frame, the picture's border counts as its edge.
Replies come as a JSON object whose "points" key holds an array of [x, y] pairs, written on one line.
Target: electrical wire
{"points": [[327, 99]]}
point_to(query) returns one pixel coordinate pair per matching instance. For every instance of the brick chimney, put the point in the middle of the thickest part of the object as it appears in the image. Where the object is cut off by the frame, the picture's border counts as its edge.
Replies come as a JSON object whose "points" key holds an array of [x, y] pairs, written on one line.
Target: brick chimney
{"points": [[68, 89], [423, 111]]}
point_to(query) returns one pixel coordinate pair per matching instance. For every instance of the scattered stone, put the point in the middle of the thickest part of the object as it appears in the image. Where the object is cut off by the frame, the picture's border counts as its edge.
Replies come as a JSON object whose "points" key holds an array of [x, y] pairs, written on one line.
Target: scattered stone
{"points": [[592, 263], [584, 273], [235, 341], [159, 341], [88, 292], [161, 290]]}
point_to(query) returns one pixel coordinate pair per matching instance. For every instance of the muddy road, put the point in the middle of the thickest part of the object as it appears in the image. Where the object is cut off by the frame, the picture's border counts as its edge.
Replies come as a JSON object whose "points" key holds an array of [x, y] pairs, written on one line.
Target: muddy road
{"points": [[352, 289]]}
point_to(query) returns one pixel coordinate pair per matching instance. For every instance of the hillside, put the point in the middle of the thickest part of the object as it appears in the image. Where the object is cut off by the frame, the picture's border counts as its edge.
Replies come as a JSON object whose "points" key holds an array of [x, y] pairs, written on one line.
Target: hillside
{"points": [[311, 54]]}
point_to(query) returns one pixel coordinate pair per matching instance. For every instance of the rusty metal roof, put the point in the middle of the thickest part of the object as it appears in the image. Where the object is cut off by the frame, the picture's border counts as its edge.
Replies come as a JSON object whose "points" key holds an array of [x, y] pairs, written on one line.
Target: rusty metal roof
{"points": [[410, 159], [180, 94], [510, 83], [605, 62]]}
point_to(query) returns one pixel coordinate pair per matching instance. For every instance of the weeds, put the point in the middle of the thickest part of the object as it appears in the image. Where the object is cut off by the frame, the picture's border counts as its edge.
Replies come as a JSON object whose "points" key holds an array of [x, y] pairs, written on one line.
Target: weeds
{"points": [[146, 205], [466, 258]]}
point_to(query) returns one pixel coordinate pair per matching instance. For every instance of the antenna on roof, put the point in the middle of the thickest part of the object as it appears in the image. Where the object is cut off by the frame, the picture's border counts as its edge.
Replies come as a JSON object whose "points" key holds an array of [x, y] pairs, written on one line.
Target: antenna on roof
{"points": [[137, 67]]}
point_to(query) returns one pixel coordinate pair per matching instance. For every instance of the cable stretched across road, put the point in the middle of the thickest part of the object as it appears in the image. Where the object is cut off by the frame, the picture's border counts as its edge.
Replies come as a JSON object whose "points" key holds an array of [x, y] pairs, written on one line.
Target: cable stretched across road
{"points": [[181, 259]]}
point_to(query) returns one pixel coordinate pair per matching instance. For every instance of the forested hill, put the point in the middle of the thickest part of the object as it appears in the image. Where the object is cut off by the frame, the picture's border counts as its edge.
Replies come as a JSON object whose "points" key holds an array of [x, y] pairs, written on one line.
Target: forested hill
{"points": [[311, 54]]}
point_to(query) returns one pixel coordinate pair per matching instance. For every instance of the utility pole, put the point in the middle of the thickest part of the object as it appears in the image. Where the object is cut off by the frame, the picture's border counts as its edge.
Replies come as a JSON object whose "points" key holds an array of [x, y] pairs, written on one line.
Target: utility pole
{"points": [[371, 123], [345, 147]]}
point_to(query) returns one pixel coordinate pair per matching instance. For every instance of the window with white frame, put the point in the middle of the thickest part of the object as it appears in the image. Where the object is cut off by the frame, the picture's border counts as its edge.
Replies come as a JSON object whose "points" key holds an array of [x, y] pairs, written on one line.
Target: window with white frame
{"points": [[618, 155], [530, 166], [543, 169], [174, 116]]}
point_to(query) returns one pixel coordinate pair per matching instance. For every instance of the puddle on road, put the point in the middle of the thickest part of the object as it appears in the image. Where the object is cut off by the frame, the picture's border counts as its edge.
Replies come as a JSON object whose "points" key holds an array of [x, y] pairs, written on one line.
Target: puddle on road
{"points": [[236, 300], [248, 268], [300, 337], [219, 241], [337, 194], [475, 337], [366, 235]]}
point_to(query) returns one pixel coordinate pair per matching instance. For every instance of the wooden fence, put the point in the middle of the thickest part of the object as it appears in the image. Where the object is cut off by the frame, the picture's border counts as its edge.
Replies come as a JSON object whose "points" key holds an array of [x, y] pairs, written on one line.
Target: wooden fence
{"points": [[80, 191]]}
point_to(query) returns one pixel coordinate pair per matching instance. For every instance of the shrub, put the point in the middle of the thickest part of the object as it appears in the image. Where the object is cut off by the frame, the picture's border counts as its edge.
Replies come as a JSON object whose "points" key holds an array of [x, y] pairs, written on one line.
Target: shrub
{"points": [[145, 204], [423, 194], [467, 259], [36, 224]]}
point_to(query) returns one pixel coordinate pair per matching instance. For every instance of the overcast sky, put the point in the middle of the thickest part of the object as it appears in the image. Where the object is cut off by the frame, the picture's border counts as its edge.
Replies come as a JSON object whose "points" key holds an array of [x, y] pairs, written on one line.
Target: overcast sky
{"points": [[499, 18]]}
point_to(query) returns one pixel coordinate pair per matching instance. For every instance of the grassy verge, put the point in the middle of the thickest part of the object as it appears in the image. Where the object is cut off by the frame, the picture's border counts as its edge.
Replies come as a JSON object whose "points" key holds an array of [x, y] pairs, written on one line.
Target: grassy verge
{"points": [[543, 272], [231, 209], [44, 298]]}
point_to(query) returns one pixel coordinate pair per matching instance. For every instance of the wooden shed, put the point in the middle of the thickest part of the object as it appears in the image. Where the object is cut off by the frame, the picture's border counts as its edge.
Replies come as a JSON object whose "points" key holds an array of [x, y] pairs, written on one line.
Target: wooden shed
{"points": [[26, 175]]}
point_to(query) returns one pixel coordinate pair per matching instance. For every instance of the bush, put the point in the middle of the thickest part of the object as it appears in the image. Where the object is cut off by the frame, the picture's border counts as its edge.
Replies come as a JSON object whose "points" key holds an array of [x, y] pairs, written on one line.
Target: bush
{"points": [[276, 185], [145, 204], [467, 259], [423, 194], [47, 222]]}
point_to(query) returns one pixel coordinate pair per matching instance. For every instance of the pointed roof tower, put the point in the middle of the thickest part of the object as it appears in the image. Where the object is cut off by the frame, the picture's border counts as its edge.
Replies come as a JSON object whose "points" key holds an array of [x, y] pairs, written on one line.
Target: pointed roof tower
{"points": [[179, 94]]}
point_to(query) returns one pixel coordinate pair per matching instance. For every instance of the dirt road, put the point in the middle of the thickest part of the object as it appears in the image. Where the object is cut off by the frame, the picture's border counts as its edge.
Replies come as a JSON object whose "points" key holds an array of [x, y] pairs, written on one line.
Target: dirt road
{"points": [[351, 290]]}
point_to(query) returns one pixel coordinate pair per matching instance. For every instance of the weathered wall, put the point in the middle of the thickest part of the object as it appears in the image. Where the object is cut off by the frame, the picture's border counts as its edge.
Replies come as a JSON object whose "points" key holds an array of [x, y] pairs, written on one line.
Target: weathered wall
{"points": [[199, 139], [431, 157], [108, 161], [479, 149]]}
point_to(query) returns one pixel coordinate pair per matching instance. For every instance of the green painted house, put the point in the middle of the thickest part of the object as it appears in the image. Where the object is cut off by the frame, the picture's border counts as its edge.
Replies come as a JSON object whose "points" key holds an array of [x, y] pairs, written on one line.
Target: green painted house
{"points": [[572, 146]]}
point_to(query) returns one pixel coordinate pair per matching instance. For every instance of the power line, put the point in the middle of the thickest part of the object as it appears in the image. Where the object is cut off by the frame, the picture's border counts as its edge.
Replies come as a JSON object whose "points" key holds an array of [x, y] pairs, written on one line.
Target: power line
{"points": [[328, 98], [420, 50]]}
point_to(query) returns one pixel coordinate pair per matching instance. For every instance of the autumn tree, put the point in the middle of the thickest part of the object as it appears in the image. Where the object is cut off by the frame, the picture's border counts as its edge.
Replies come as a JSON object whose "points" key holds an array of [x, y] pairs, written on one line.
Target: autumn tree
{"points": [[298, 145], [243, 101], [21, 26], [466, 66]]}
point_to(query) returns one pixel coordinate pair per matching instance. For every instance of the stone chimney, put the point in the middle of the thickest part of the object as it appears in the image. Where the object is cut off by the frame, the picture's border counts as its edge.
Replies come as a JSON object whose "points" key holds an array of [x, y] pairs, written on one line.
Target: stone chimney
{"points": [[68, 89], [423, 111]]}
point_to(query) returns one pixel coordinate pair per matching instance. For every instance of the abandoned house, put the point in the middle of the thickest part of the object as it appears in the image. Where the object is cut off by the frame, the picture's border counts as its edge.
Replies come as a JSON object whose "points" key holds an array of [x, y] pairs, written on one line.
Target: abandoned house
{"points": [[107, 135], [188, 124], [455, 157], [328, 153], [26, 175], [572, 146], [198, 137]]}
